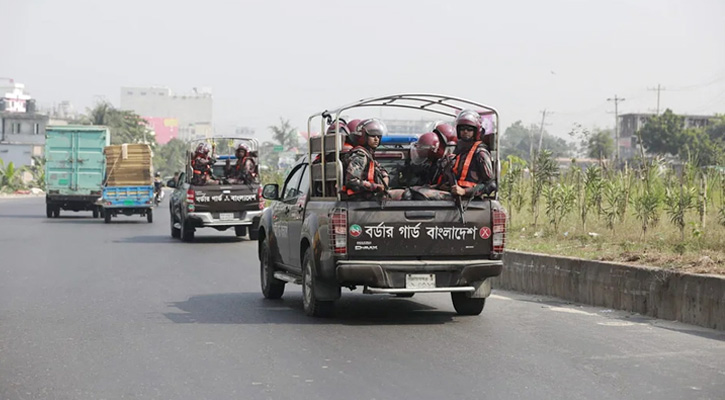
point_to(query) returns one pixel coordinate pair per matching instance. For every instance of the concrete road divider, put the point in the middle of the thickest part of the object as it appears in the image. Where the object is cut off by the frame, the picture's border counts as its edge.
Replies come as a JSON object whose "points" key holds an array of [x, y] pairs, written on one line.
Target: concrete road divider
{"points": [[690, 298]]}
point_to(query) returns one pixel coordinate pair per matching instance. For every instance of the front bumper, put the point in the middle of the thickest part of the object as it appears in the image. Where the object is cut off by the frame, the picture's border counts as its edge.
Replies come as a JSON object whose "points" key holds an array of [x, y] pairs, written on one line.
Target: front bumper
{"points": [[389, 275], [200, 219]]}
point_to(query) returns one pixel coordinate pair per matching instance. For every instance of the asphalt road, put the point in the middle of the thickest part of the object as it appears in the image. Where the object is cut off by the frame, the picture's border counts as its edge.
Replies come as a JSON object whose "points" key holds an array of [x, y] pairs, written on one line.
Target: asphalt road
{"points": [[123, 311]]}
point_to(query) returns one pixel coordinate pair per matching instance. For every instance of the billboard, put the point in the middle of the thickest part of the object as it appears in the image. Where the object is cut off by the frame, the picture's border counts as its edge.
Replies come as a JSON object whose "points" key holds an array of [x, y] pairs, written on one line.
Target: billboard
{"points": [[165, 129]]}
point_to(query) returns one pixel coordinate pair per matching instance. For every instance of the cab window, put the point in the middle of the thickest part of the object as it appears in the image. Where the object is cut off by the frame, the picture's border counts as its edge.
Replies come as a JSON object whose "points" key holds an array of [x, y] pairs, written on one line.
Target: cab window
{"points": [[290, 190]]}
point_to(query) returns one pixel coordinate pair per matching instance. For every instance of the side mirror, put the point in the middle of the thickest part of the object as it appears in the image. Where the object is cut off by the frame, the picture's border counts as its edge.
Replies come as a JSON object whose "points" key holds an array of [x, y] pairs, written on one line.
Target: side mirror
{"points": [[270, 191], [171, 183]]}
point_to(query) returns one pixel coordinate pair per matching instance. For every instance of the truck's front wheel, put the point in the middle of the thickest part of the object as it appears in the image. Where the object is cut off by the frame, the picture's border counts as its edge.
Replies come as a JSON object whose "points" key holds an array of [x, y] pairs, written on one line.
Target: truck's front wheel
{"points": [[107, 217], [313, 307], [272, 288], [466, 305], [49, 211], [150, 216]]}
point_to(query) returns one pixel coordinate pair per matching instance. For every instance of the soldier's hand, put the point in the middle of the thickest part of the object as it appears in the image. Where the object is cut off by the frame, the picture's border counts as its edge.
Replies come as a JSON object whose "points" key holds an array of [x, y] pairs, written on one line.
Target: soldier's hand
{"points": [[379, 188], [458, 191]]}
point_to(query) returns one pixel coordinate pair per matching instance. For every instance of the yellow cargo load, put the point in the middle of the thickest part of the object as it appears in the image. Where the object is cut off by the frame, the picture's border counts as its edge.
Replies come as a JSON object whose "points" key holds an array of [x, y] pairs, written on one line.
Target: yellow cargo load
{"points": [[128, 165]]}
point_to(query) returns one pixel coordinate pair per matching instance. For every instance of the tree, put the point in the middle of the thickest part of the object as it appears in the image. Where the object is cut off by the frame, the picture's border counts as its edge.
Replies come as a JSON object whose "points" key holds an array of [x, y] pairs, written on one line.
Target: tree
{"points": [[171, 157], [663, 133], [10, 177], [125, 126], [516, 141], [666, 133], [600, 145], [285, 134]]}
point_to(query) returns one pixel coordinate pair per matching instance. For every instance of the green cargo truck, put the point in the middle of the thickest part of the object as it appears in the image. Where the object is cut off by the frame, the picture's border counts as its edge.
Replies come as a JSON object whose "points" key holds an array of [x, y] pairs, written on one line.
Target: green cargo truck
{"points": [[74, 168]]}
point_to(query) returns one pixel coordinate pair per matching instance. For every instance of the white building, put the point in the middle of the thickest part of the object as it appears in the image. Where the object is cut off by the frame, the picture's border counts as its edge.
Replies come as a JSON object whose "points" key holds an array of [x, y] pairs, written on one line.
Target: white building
{"points": [[192, 110]]}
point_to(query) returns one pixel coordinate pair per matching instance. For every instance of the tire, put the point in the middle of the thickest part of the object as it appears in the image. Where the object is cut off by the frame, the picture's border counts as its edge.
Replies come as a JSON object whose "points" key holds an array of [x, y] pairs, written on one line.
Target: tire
{"points": [[150, 215], [272, 288], [312, 306], [253, 234], [175, 232], [187, 232], [56, 212], [48, 211], [95, 213], [240, 230], [466, 305], [107, 217], [405, 295]]}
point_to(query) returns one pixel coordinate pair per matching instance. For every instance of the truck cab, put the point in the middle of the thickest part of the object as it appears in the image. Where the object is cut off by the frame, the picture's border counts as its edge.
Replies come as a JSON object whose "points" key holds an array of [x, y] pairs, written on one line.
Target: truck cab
{"points": [[314, 235]]}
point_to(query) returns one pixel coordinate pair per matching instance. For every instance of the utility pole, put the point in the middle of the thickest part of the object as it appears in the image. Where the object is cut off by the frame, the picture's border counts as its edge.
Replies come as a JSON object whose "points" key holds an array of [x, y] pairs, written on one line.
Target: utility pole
{"points": [[658, 89], [541, 130], [616, 101]]}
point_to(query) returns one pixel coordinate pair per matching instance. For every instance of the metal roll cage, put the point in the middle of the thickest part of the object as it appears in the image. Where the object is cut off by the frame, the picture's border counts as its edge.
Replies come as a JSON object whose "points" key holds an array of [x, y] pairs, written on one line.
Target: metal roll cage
{"points": [[434, 103]]}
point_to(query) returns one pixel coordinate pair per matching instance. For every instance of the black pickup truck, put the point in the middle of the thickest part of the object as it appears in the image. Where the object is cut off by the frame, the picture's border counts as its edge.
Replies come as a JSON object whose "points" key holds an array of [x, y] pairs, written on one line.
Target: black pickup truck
{"points": [[222, 205], [312, 235]]}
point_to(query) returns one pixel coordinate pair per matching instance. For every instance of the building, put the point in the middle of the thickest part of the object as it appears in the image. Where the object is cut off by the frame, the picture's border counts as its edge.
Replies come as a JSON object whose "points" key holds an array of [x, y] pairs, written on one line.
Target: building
{"points": [[192, 111], [629, 124], [22, 129]]}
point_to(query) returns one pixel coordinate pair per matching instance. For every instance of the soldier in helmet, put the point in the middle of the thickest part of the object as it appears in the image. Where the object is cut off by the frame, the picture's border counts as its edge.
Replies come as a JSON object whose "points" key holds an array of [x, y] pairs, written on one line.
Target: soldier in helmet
{"points": [[244, 170], [202, 166], [472, 170], [424, 156], [364, 176]]}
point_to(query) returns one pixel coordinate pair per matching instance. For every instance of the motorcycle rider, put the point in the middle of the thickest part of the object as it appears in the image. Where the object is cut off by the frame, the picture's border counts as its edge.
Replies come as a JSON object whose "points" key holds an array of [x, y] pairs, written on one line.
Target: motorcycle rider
{"points": [[364, 176], [158, 187]]}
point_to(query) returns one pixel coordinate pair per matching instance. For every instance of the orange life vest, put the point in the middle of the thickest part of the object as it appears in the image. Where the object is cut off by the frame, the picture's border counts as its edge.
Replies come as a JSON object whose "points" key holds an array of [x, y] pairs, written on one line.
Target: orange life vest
{"points": [[462, 177]]}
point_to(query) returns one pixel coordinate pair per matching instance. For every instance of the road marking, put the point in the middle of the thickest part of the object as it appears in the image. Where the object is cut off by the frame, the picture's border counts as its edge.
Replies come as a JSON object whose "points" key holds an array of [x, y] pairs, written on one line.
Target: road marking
{"points": [[571, 311]]}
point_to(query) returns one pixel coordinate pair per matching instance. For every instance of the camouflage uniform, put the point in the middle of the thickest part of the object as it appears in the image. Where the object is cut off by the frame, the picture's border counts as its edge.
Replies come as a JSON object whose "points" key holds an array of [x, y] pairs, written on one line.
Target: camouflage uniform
{"points": [[242, 172], [357, 184], [479, 177]]}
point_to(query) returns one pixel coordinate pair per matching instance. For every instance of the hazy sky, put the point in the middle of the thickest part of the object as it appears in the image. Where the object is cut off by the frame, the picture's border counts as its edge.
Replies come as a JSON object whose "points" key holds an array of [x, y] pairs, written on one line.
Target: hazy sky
{"points": [[270, 59]]}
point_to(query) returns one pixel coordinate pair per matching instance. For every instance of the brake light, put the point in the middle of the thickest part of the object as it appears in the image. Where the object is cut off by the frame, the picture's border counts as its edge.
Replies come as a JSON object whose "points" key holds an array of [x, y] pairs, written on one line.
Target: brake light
{"points": [[338, 231], [499, 230], [190, 199], [261, 199]]}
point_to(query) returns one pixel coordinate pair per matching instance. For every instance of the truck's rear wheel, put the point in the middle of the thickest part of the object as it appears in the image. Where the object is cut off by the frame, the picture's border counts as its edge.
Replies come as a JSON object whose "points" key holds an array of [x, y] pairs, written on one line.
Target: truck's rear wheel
{"points": [[253, 234], [107, 217], [150, 215], [272, 288], [187, 232], [175, 232], [49, 211], [466, 305], [312, 306], [56, 212], [95, 213], [240, 230]]}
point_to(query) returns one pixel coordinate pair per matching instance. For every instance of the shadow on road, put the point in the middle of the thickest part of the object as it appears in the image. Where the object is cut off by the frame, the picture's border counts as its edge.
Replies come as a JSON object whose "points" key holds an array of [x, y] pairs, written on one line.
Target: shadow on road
{"points": [[24, 216], [168, 239], [351, 309]]}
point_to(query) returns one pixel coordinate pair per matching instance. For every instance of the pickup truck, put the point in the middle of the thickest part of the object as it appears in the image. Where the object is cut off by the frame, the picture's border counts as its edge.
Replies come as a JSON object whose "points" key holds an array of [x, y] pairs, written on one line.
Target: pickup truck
{"points": [[222, 205], [312, 235]]}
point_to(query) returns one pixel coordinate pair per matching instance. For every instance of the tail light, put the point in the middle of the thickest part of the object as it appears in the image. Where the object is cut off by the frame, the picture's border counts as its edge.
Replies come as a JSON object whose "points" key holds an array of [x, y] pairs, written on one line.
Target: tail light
{"points": [[338, 231], [261, 199], [190, 199], [499, 230]]}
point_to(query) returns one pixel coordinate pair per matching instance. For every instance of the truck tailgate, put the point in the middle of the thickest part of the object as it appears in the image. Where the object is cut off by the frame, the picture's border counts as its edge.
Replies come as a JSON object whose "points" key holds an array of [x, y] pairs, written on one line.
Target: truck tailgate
{"points": [[428, 229], [226, 198]]}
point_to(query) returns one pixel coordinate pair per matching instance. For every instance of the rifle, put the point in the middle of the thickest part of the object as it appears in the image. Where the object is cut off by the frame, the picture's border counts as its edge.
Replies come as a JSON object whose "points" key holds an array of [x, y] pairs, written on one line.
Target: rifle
{"points": [[452, 181]]}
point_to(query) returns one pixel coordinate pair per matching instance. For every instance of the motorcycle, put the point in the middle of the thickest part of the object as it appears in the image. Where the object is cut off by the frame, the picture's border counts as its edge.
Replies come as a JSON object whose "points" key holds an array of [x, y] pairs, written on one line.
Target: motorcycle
{"points": [[159, 195]]}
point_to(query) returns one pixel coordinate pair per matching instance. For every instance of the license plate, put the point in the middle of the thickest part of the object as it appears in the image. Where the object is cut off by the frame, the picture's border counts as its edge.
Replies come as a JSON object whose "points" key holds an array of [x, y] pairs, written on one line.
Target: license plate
{"points": [[226, 216], [420, 281]]}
